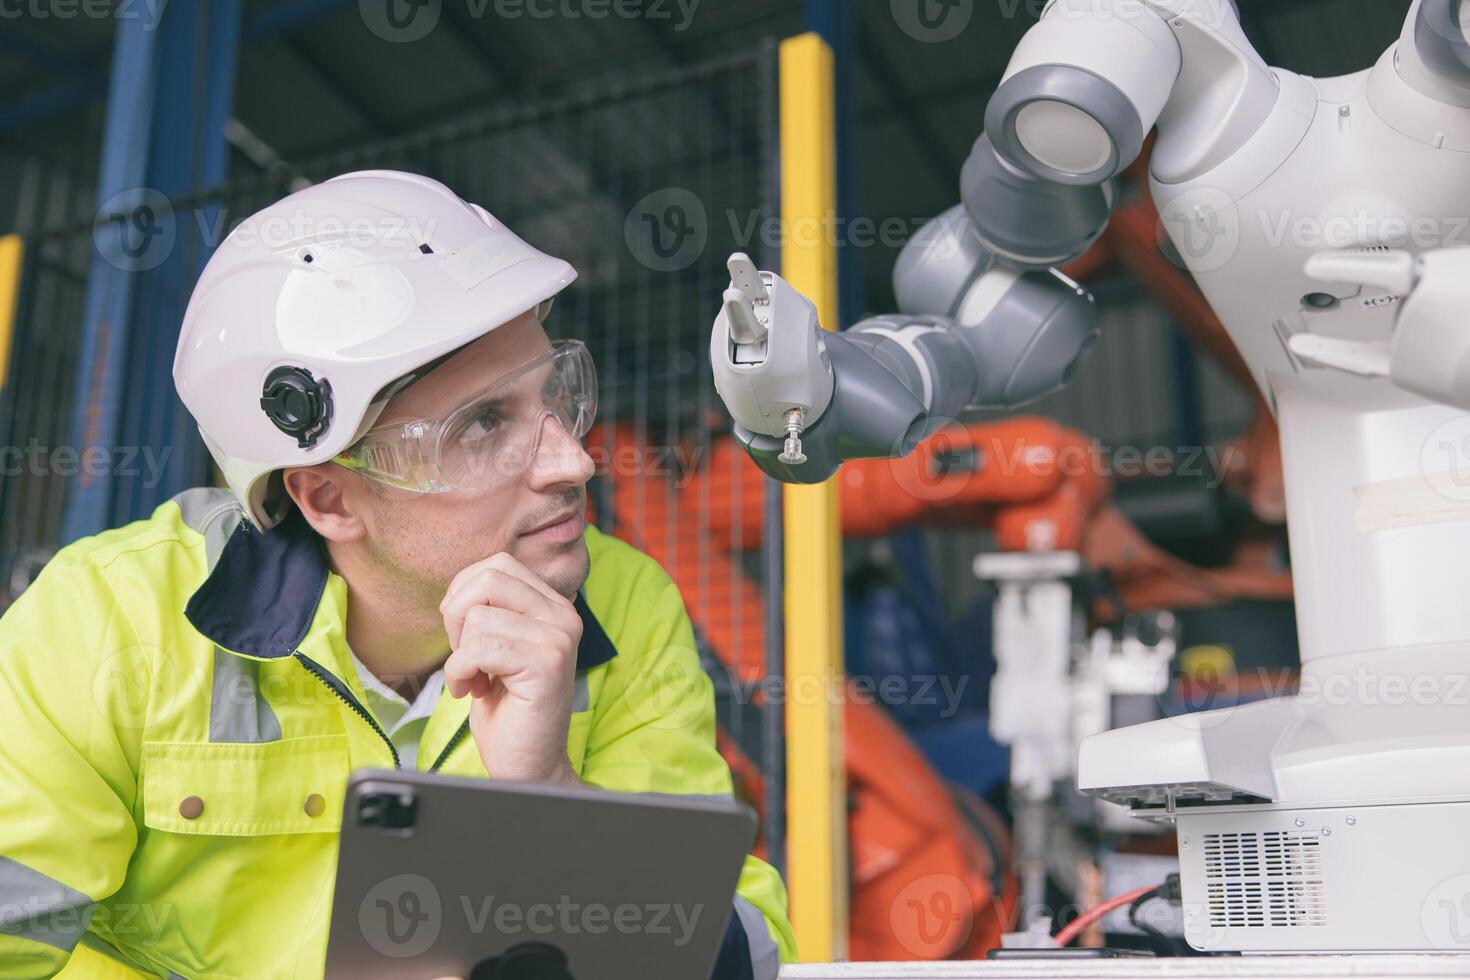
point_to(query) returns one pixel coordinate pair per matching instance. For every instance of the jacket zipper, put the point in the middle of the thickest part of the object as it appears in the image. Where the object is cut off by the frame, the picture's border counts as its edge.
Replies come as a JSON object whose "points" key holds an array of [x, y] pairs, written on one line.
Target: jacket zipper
{"points": [[336, 687], [455, 739]]}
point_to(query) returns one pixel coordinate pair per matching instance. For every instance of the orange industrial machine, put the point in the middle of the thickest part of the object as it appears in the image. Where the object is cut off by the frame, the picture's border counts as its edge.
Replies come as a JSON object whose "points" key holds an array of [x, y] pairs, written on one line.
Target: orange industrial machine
{"points": [[929, 864]]}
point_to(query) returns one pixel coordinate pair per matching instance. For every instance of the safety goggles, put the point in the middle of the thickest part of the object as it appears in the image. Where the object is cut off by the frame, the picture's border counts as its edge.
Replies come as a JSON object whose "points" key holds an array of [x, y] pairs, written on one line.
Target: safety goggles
{"points": [[492, 436]]}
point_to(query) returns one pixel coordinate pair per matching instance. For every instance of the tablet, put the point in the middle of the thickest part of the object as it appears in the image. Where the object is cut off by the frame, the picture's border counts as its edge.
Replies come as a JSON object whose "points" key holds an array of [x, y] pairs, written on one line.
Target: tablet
{"points": [[444, 876]]}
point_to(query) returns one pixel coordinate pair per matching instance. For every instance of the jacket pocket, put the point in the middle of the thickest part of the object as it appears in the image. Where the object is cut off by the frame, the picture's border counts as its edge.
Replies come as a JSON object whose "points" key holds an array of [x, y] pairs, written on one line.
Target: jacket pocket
{"points": [[289, 786]]}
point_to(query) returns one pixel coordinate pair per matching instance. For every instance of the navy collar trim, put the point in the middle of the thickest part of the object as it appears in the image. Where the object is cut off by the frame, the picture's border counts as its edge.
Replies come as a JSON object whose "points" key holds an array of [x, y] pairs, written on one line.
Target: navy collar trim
{"points": [[262, 595]]}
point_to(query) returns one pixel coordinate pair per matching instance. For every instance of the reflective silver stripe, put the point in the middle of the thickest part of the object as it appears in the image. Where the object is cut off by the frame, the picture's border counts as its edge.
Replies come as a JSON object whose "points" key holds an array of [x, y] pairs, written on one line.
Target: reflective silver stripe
{"points": [[765, 958], [237, 712], [580, 698], [39, 908], [213, 513]]}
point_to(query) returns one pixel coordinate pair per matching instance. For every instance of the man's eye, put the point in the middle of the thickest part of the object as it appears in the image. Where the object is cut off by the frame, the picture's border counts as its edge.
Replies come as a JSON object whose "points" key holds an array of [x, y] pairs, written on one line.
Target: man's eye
{"points": [[481, 424]]}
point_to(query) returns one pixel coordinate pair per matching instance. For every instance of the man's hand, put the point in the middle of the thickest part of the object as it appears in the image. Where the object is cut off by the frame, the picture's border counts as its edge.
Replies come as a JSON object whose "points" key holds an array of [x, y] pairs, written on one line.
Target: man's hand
{"points": [[515, 652]]}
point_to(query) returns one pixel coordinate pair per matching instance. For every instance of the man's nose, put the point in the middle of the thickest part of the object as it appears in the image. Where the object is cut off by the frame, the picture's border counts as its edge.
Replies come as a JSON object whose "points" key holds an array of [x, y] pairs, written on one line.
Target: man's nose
{"points": [[560, 459]]}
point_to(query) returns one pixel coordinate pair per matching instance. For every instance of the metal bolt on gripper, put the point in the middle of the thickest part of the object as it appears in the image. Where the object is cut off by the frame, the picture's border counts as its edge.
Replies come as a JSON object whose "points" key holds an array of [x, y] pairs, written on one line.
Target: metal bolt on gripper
{"points": [[795, 423]]}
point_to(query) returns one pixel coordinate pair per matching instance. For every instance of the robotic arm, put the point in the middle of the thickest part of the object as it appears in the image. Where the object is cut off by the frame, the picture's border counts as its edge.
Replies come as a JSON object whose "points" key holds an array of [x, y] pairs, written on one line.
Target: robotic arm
{"points": [[978, 330], [987, 320], [805, 400]]}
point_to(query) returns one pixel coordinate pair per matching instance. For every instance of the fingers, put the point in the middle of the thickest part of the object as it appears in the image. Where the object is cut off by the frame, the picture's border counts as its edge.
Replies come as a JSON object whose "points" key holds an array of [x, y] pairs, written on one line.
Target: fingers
{"points": [[507, 563], [500, 645], [492, 587], [509, 585]]}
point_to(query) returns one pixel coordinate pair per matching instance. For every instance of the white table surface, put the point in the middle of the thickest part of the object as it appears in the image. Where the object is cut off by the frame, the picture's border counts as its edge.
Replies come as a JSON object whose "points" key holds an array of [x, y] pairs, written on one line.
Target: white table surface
{"points": [[1359, 967]]}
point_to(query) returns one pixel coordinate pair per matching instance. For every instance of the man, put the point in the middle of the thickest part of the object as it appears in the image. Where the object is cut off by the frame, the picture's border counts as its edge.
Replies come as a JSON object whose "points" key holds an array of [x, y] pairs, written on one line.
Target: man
{"points": [[400, 574]]}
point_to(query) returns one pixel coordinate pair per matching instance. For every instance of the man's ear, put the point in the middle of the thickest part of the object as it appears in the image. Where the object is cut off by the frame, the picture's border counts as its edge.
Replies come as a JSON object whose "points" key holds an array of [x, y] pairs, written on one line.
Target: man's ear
{"points": [[326, 500]]}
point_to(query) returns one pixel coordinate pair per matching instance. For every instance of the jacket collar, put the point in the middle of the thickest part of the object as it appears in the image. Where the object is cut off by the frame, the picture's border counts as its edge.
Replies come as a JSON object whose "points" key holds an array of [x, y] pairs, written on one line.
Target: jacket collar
{"points": [[262, 596]]}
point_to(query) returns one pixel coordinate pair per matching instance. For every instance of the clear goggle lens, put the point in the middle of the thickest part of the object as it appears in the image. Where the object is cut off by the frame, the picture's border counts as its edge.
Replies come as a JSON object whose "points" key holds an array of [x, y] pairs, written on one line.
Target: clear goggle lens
{"points": [[494, 435]]}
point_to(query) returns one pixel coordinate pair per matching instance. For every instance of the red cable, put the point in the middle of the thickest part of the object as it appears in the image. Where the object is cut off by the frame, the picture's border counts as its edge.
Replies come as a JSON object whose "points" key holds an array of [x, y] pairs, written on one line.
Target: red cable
{"points": [[1070, 931]]}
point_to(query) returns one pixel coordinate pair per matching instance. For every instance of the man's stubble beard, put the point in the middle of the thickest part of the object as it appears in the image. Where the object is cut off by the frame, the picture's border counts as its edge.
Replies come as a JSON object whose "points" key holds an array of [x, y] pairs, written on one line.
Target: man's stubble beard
{"points": [[569, 582], [422, 576]]}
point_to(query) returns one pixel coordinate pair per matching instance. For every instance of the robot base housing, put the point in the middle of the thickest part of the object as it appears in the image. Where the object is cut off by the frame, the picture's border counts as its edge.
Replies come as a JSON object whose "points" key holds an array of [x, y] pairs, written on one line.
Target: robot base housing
{"points": [[1383, 877]]}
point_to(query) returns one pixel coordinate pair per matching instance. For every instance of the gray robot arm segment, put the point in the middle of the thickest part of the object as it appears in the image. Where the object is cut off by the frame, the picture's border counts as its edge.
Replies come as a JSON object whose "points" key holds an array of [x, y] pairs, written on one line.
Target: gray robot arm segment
{"points": [[1036, 332], [1440, 39], [1007, 217]]}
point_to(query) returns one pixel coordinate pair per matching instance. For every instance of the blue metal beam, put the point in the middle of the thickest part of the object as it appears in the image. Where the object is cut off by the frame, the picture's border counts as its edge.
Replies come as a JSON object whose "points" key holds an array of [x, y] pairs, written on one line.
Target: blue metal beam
{"points": [[89, 81], [108, 302], [171, 93], [196, 86]]}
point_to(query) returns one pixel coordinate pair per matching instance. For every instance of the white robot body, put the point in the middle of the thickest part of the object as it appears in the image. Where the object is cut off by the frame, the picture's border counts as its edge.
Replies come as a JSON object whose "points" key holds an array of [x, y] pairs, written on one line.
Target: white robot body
{"points": [[1377, 546], [1327, 821]]}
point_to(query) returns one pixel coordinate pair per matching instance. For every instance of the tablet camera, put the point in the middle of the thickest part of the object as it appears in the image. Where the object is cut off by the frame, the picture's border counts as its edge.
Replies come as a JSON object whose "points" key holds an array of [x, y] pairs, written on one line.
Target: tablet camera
{"points": [[393, 811]]}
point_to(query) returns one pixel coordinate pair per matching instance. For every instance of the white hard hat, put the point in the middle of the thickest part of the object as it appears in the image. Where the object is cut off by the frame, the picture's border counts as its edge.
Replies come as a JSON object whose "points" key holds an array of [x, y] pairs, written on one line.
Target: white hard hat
{"points": [[310, 309]]}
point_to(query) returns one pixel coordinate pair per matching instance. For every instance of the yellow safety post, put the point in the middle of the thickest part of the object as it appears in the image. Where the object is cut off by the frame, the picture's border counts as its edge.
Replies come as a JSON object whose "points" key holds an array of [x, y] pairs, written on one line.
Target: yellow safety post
{"points": [[12, 253], [816, 784]]}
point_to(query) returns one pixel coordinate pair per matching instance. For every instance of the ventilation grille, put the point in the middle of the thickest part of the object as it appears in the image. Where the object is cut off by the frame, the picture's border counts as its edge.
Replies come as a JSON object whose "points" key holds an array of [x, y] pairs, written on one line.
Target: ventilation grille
{"points": [[1271, 879]]}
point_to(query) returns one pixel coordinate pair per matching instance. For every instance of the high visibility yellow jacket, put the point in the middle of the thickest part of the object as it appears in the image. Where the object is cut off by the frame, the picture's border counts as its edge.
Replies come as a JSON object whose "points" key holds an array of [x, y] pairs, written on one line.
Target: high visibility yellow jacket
{"points": [[180, 714]]}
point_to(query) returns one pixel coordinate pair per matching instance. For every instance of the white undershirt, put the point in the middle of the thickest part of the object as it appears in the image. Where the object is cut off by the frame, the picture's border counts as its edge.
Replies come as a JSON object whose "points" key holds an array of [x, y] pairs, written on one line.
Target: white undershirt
{"points": [[403, 722]]}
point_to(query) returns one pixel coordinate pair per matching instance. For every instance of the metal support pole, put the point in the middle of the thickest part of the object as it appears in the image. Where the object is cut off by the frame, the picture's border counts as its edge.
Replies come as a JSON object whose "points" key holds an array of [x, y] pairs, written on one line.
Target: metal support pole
{"points": [[12, 262], [171, 94], [817, 863], [105, 329]]}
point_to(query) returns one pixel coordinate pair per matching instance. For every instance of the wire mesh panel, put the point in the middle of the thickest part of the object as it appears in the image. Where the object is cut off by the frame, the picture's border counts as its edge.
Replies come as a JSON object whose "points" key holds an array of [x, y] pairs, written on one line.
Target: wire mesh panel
{"points": [[645, 187], [35, 402]]}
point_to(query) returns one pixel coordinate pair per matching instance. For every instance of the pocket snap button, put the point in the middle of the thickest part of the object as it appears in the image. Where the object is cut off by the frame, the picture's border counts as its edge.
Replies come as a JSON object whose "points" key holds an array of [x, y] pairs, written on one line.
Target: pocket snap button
{"points": [[190, 807], [315, 805]]}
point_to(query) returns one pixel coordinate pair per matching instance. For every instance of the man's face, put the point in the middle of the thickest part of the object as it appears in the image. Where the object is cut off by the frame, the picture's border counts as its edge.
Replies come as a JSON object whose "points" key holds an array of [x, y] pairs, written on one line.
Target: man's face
{"points": [[536, 514]]}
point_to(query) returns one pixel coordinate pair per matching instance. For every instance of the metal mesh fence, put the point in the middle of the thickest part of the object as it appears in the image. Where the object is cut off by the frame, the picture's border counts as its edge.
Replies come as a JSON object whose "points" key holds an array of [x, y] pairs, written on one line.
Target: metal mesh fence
{"points": [[645, 187]]}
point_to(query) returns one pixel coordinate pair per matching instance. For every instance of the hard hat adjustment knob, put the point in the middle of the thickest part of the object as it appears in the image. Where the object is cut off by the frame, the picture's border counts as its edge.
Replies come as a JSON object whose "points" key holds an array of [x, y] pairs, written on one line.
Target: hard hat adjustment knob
{"points": [[297, 404]]}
